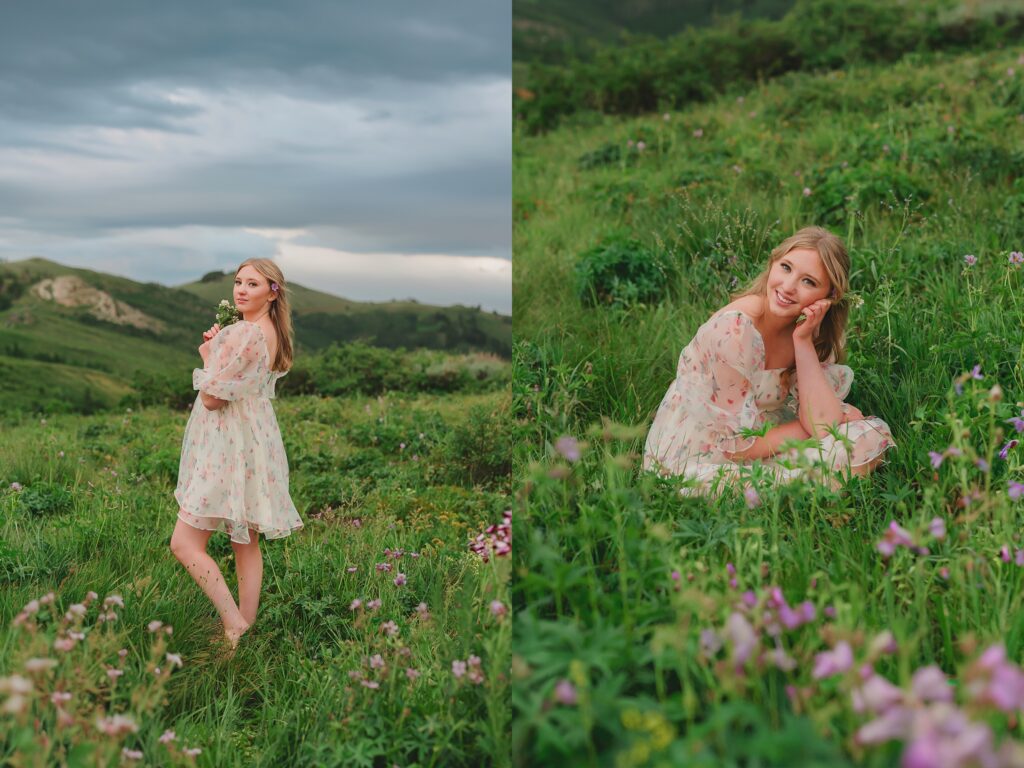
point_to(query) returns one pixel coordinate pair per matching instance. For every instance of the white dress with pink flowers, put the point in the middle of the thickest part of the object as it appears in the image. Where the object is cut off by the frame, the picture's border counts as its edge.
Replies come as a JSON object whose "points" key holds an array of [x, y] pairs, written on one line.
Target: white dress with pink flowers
{"points": [[722, 387], [233, 474]]}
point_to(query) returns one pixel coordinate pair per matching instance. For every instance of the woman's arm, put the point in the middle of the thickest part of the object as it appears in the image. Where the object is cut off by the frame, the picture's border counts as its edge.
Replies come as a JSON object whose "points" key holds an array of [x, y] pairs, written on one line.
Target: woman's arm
{"points": [[820, 409], [767, 446]]}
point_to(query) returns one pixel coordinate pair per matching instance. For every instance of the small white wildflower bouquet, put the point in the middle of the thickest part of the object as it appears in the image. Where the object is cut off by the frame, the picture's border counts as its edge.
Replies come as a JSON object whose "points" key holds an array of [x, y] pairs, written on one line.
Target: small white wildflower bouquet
{"points": [[227, 313]]}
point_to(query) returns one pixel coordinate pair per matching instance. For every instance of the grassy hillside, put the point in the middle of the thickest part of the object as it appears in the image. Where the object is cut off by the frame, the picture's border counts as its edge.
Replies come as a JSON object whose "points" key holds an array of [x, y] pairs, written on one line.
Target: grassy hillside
{"points": [[655, 629], [321, 319], [550, 31], [108, 357], [386, 486]]}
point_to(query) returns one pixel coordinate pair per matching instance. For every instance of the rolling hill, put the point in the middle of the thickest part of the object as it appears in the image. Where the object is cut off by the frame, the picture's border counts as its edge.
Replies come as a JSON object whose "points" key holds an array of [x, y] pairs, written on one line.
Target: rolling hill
{"points": [[79, 339]]}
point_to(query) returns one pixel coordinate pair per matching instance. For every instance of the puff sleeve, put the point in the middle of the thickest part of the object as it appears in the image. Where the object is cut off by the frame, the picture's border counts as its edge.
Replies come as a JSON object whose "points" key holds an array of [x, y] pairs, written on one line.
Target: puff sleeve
{"points": [[734, 352], [234, 366]]}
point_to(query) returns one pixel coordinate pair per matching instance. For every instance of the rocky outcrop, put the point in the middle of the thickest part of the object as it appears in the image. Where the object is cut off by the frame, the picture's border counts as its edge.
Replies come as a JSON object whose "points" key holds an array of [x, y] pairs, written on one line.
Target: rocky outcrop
{"points": [[72, 291]]}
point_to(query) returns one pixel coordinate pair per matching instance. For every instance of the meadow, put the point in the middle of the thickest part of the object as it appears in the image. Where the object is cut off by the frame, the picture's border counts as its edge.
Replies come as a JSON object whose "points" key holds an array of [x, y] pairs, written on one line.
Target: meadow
{"points": [[876, 625], [383, 636]]}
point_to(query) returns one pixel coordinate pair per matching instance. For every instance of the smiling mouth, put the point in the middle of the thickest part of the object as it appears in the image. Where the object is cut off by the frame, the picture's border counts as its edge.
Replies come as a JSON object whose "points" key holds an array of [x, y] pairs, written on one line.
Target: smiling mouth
{"points": [[783, 301]]}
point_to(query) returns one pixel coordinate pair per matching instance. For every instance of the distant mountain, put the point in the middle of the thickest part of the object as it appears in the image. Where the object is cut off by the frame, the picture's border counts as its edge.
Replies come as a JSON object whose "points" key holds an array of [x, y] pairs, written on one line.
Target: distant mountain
{"points": [[76, 336], [548, 29]]}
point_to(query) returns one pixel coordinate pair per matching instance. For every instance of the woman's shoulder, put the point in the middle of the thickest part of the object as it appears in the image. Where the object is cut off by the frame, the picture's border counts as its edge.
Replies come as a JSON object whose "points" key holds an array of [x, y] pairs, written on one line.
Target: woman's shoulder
{"points": [[750, 306]]}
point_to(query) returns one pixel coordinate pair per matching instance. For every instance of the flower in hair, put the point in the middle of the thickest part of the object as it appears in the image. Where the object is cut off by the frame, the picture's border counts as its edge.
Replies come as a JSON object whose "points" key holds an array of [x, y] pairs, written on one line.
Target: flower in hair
{"points": [[274, 287]]}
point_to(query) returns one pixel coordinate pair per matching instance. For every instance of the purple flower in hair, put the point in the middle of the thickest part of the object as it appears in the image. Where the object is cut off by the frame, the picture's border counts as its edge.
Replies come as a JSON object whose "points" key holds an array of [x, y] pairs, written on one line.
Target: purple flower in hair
{"points": [[275, 287]]}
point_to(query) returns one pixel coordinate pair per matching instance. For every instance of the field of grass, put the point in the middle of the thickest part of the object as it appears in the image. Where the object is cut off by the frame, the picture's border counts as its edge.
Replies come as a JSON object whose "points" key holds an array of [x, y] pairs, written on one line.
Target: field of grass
{"points": [[802, 626], [392, 491]]}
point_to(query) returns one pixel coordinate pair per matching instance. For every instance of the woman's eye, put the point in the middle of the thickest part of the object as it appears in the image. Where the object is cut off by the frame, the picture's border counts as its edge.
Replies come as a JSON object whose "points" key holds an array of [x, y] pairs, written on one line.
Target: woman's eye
{"points": [[786, 267]]}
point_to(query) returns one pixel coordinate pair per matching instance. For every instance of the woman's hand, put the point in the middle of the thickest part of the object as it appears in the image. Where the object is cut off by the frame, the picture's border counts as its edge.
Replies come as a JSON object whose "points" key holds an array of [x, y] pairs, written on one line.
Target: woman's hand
{"points": [[214, 330], [808, 329]]}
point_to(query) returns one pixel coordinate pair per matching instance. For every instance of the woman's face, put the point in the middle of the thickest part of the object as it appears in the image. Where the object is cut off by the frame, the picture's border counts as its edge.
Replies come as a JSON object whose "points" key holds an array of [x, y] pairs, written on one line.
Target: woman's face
{"points": [[252, 291], [795, 281]]}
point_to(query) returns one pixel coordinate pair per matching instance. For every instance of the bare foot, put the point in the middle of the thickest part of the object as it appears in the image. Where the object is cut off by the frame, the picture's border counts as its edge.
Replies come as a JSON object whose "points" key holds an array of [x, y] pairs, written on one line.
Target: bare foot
{"points": [[234, 634]]}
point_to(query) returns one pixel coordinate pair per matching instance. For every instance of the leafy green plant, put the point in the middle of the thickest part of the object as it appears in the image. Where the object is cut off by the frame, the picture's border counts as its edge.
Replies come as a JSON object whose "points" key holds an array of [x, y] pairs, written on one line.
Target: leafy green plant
{"points": [[620, 272]]}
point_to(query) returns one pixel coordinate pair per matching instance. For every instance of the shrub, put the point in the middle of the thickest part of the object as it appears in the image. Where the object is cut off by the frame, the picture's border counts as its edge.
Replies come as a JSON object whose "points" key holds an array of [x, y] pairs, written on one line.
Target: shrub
{"points": [[620, 272], [44, 499]]}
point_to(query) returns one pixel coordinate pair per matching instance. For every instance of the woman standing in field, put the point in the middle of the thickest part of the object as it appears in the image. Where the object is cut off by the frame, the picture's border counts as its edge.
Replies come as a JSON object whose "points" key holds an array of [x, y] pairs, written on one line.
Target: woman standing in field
{"points": [[756, 364], [233, 475]]}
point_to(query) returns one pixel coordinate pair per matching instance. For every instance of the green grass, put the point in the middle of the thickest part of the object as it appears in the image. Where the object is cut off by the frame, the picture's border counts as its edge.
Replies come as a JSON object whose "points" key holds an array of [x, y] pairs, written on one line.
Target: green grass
{"points": [[914, 167], [286, 698]]}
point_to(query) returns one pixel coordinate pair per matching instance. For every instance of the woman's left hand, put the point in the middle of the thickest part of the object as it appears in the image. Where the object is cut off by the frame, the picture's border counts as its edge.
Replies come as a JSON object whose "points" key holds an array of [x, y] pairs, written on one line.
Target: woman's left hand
{"points": [[815, 313]]}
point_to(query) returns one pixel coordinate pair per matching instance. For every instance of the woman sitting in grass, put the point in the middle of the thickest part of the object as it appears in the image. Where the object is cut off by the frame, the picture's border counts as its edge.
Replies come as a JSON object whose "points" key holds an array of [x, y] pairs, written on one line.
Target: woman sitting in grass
{"points": [[768, 363]]}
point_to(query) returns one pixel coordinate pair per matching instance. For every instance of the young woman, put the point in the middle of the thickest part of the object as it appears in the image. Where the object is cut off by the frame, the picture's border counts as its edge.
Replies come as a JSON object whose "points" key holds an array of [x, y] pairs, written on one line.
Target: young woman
{"points": [[755, 364], [233, 475]]}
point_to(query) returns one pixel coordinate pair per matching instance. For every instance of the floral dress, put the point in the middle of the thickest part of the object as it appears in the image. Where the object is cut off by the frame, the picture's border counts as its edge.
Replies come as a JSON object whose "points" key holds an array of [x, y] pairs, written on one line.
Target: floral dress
{"points": [[233, 474], [722, 387]]}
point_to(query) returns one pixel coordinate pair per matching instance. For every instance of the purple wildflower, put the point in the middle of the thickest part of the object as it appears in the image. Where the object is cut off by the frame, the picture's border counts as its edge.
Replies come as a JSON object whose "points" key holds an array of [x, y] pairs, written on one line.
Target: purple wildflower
{"points": [[568, 447], [1005, 450], [936, 459], [834, 662], [1016, 257], [970, 260], [753, 499], [565, 693], [937, 527], [1016, 490]]}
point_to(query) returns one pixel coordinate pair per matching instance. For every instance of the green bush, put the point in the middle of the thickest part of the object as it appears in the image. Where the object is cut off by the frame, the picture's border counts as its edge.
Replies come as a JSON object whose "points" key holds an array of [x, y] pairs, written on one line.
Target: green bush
{"points": [[620, 272], [41, 499]]}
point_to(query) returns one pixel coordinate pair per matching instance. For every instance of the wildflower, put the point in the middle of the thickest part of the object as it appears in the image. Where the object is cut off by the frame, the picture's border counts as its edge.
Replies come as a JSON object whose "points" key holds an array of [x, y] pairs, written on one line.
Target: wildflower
{"points": [[113, 673], [384, 567], [376, 661], [16, 486], [60, 697], [458, 668], [389, 628], [498, 608], [131, 754], [1016, 490], [883, 642], [400, 580], [167, 737], [937, 528], [1005, 450], [641, 146], [895, 536], [568, 447], [1004, 553], [423, 611], [936, 459], [154, 625], [875, 695], [192, 751], [412, 673], [357, 523], [828, 663], [122, 653], [372, 684], [1018, 422], [807, 191], [40, 665], [982, 465], [710, 642], [930, 684], [698, 132], [666, 117], [1016, 257], [742, 637], [113, 600], [90, 596], [63, 643], [970, 260], [174, 659], [351, 569], [565, 693], [355, 604], [753, 500], [373, 605], [117, 725]]}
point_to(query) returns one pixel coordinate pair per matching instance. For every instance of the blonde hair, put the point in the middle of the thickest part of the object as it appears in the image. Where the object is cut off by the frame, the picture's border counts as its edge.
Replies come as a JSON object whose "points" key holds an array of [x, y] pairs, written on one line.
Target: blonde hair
{"points": [[831, 339], [280, 311]]}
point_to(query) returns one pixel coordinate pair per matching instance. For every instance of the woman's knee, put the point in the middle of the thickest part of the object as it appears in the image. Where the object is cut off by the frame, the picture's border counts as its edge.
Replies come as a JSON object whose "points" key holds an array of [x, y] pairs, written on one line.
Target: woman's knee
{"points": [[186, 541]]}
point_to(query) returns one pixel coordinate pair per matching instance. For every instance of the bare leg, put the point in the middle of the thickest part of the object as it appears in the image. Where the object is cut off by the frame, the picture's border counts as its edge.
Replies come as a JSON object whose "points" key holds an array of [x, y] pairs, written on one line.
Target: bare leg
{"points": [[249, 567], [189, 545]]}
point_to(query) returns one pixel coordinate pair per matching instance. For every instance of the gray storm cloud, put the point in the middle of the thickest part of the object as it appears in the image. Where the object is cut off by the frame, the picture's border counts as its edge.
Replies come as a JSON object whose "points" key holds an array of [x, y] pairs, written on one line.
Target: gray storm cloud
{"points": [[129, 128]]}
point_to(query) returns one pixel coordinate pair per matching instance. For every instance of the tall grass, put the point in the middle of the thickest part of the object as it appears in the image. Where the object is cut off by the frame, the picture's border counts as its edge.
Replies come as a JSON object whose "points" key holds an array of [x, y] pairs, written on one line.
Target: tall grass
{"points": [[631, 638]]}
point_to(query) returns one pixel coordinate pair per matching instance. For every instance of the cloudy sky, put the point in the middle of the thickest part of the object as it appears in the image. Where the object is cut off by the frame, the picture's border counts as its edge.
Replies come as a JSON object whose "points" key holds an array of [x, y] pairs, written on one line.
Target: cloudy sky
{"points": [[364, 146]]}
